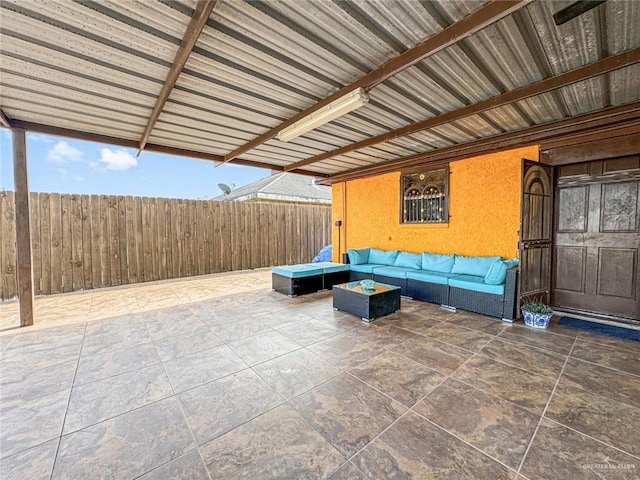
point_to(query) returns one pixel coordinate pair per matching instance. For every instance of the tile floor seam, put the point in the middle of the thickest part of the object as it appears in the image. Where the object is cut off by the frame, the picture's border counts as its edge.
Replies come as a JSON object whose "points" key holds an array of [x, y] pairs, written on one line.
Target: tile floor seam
{"points": [[519, 368], [512, 469], [300, 347], [606, 366], [438, 341], [516, 343], [240, 425], [167, 463], [623, 347], [637, 457], [377, 390], [484, 355], [370, 442], [450, 376], [542, 415], [342, 371], [118, 415], [115, 374], [541, 331], [199, 385], [66, 411], [346, 462], [313, 343]]}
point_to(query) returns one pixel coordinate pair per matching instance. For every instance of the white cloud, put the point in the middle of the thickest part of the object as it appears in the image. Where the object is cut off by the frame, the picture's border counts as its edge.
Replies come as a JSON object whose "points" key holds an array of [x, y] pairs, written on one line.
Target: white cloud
{"points": [[38, 137], [63, 153], [116, 159]]}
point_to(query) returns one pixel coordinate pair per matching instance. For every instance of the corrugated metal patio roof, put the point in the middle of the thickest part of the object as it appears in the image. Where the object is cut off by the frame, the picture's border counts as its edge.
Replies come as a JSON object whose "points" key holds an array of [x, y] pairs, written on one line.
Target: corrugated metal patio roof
{"points": [[99, 67]]}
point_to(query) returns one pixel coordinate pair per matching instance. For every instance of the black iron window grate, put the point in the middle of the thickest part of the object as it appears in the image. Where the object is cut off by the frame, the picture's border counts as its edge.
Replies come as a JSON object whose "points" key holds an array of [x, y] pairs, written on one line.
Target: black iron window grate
{"points": [[424, 197]]}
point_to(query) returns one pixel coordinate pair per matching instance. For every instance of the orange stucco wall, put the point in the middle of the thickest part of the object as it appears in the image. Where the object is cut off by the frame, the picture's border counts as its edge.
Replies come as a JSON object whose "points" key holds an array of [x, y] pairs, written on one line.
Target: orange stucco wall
{"points": [[484, 209]]}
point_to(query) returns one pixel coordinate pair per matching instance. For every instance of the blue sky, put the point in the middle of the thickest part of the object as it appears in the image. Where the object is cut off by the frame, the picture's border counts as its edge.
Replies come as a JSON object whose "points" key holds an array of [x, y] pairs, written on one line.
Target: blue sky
{"points": [[62, 165]]}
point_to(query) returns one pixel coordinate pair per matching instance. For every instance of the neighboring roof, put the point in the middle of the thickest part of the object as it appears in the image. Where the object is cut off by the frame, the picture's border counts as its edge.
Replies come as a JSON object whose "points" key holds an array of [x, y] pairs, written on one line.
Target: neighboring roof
{"points": [[285, 186], [99, 68]]}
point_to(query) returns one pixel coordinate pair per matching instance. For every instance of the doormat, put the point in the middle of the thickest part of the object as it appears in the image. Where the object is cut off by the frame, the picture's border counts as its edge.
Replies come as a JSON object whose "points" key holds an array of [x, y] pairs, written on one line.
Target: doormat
{"points": [[600, 328]]}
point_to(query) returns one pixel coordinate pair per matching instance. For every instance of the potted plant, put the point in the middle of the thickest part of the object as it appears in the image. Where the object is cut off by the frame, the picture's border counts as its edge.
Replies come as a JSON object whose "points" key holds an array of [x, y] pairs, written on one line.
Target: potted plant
{"points": [[536, 314]]}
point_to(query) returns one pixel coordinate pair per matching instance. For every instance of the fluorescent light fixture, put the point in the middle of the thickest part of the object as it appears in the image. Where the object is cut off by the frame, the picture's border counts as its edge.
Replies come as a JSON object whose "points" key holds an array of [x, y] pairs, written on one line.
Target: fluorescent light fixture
{"points": [[335, 109]]}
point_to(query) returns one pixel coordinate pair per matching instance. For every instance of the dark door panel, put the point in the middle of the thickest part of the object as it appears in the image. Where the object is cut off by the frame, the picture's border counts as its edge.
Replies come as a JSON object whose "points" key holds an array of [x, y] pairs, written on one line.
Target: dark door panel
{"points": [[597, 239]]}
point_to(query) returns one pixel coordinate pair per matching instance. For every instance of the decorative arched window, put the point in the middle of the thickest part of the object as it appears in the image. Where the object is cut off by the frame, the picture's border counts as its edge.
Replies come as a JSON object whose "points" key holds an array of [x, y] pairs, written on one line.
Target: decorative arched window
{"points": [[424, 197]]}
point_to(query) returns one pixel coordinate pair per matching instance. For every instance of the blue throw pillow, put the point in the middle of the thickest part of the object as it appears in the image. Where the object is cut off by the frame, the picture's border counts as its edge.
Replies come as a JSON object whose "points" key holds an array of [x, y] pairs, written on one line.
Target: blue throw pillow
{"points": [[478, 266], [497, 273], [358, 256], [383, 257], [408, 260], [437, 263]]}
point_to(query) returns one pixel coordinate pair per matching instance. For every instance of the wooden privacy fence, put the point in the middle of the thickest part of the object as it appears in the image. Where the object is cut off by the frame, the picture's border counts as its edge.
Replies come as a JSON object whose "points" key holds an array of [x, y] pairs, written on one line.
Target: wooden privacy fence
{"points": [[91, 241]]}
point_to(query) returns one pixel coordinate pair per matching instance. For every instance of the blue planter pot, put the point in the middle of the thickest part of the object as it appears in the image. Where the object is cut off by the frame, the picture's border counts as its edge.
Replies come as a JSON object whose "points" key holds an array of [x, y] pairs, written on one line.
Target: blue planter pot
{"points": [[536, 320]]}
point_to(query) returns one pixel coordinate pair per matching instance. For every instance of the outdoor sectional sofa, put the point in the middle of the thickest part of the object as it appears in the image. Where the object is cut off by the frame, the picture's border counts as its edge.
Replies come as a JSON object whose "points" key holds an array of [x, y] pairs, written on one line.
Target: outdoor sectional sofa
{"points": [[485, 285]]}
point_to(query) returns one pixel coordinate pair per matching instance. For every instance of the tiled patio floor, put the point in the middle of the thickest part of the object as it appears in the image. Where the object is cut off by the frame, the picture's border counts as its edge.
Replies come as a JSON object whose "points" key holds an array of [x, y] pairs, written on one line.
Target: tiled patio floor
{"points": [[219, 377]]}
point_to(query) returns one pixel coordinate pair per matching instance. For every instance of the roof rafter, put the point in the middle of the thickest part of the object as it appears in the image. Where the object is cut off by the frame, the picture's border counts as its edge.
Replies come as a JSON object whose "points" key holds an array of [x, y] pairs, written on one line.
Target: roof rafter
{"points": [[197, 23], [627, 115], [4, 120], [472, 23], [123, 142], [579, 74]]}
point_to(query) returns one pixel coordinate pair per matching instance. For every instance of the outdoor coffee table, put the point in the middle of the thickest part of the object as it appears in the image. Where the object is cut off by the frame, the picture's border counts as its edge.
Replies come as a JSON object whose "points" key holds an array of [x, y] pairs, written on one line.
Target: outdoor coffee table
{"points": [[368, 305]]}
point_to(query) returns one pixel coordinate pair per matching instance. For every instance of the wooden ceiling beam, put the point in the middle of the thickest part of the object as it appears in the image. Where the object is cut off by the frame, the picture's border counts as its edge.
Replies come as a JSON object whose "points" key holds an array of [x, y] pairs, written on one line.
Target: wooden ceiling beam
{"points": [[579, 74], [625, 115], [4, 120], [198, 21], [122, 142], [472, 23]]}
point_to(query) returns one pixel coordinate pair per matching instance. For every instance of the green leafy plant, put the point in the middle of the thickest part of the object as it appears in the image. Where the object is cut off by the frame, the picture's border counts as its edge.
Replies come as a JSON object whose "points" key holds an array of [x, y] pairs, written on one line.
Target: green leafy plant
{"points": [[537, 307]]}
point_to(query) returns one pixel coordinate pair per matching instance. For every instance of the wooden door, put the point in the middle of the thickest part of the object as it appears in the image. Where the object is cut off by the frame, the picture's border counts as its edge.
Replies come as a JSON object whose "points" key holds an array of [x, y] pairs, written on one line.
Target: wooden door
{"points": [[597, 238], [536, 227]]}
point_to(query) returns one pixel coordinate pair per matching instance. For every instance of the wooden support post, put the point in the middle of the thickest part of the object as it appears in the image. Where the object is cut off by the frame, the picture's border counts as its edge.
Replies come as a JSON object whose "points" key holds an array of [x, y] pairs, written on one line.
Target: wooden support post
{"points": [[23, 228]]}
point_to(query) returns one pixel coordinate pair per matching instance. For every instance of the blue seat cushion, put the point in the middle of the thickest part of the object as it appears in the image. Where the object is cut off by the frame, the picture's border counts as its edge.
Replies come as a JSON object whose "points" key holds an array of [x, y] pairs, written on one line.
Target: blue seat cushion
{"points": [[363, 267], [358, 256], [431, 277], [394, 272], [383, 257], [298, 271], [477, 266], [408, 260], [435, 262], [475, 283], [497, 273], [331, 267]]}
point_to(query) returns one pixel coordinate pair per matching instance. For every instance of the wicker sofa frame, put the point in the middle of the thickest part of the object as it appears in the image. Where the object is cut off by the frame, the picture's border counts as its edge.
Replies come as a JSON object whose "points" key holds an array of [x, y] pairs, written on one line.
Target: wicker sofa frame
{"points": [[502, 306], [310, 284]]}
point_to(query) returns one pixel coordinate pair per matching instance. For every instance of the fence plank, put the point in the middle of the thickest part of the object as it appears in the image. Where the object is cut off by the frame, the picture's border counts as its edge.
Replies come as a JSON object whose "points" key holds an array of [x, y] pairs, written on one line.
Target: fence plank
{"points": [[97, 267], [130, 235], [45, 243], [87, 262], [138, 243], [224, 238], [146, 236], [36, 255], [77, 267], [8, 244], [164, 247], [67, 243], [216, 236], [189, 235], [56, 242]]}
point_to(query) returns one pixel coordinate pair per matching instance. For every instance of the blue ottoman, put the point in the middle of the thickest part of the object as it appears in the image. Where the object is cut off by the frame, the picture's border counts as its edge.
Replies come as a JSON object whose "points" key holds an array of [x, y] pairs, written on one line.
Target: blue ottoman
{"points": [[304, 278], [296, 280]]}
